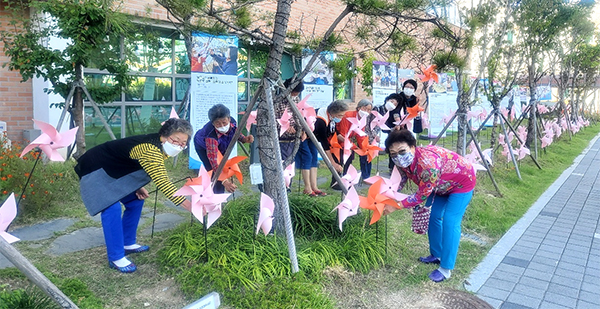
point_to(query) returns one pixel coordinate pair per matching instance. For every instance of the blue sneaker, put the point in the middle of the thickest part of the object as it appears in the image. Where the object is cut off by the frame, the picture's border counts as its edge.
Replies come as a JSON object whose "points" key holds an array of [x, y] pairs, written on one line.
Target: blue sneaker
{"points": [[429, 260], [138, 250], [126, 270]]}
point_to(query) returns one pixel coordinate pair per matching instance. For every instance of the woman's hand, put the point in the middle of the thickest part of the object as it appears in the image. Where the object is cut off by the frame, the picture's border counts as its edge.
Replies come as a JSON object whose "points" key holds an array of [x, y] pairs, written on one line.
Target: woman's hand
{"points": [[248, 139], [141, 193], [187, 205], [338, 167], [229, 185], [388, 209]]}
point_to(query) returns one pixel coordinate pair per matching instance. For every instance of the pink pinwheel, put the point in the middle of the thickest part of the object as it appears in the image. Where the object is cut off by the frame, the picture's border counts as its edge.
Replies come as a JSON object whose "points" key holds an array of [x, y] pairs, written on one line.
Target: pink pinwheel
{"points": [[265, 218], [308, 112], [564, 125], [522, 152], [487, 155], [347, 148], [389, 187], [373, 179], [251, 120], [522, 132], [472, 114], [504, 112], [557, 130], [447, 118], [542, 109], [429, 74], [351, 178], [482, 114], [284, 122], [204, 201], [172, 115], [425, 120], [513, 112], [505, 152], [289, 173], [379, 121], [50, 141], [501, 140], [357, 125], [546, 141], [8, 212], [348, 207]]}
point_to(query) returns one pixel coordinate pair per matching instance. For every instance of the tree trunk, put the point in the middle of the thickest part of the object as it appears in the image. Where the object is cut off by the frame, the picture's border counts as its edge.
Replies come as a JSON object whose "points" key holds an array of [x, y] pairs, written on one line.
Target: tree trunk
{"points": [[77, 113], [462, 101], [531, 128], [266, 133]]}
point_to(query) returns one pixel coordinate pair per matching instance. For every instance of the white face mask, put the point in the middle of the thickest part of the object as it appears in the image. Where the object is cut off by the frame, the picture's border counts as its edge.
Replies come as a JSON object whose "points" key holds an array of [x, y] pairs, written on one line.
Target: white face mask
{"points": [[224, 129], [409, 91], [389, 106], [172, 150], [363, 114]]}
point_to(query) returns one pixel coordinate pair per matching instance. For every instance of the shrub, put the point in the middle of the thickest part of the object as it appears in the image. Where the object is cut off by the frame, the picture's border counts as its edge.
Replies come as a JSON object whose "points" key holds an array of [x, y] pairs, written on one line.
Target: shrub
{"points": [[31, 298], [254, 271]]}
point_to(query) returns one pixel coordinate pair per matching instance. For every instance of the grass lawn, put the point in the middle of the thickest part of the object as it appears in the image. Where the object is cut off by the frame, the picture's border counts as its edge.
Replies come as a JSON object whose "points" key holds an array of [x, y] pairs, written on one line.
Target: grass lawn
{"points": [[398, 283]]}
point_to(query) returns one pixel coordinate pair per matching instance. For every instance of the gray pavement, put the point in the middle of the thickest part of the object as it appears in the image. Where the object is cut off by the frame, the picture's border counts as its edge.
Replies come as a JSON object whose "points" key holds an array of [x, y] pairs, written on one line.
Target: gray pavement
{"points": [[551, 257]]}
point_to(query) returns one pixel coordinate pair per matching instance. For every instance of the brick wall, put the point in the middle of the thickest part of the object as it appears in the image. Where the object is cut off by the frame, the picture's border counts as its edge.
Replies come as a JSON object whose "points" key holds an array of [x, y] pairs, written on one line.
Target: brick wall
{"points": [[16, 107]]}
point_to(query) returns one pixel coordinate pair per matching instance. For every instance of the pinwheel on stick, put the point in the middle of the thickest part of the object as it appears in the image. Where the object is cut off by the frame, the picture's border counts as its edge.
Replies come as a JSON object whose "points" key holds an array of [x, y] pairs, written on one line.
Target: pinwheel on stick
{"points": [[265, 217], [8, 212], [49, 142], [348, 207], [376, 201]]}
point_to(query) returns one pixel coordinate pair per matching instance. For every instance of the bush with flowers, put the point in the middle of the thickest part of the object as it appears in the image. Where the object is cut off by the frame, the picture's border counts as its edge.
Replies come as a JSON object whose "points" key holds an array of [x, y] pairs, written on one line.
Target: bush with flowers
{"points": [[50, 185]]}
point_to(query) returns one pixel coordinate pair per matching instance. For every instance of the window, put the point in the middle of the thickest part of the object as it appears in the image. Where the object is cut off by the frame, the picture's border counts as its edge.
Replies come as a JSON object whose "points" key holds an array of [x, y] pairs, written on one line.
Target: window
{"points": [[161, 70]]}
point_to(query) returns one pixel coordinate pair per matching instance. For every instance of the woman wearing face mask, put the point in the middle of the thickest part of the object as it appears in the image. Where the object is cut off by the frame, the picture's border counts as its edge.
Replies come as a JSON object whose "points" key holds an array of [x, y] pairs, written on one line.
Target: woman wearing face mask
{"points": [[363, 110], [215, 137], [116, 172], [445, 182], [411, 99], [307, 156]]}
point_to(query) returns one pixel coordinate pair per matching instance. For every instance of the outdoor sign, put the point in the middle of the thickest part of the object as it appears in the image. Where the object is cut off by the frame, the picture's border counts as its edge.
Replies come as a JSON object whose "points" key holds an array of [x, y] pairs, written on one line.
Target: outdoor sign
{"points": [[213, 80], [385, 81], [442, 102], [319, 80]]}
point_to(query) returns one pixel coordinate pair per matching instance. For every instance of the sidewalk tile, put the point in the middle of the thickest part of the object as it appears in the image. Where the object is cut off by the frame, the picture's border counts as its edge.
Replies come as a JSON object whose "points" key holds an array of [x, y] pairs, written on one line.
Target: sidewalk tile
{"points": [[548, 305], [509, 305], [566, 281], [561, 300], [555, 255], [510, 260], [502, 275], [493, 293], [585, 305], [526, 300], [527, 290], [538, 283], [496, 303], [572, 267], [590, 287], [591, 297], [544, 260], [563, 290], [569, 274], [500, 284], [510, 268]]}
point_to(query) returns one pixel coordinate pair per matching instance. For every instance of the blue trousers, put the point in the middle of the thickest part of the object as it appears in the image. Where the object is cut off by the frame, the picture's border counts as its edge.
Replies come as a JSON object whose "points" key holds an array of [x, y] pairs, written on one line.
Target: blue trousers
{"points": [[445, 225], [365, 167], [121, 231]]}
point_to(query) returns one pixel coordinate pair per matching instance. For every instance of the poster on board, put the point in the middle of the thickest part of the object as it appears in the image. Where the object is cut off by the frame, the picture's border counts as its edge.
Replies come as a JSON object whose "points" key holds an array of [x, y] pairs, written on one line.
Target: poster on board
{"points": [[385, 81], [442, 102], [319, 80], [213, 81]]}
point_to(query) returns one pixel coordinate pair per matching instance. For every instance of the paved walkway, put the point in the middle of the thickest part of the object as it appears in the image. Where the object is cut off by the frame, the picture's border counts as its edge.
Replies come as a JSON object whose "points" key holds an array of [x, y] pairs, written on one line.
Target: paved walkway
{"points": [[551, 257]]}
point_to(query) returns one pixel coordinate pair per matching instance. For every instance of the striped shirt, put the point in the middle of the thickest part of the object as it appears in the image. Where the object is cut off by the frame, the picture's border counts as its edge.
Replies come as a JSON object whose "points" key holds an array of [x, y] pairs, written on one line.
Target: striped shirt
{"points": [[123, 157]]}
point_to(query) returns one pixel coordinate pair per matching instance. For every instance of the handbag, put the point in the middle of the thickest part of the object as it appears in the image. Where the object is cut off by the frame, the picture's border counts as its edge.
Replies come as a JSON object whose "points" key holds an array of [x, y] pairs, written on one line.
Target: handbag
{"points": [[420, 219]]}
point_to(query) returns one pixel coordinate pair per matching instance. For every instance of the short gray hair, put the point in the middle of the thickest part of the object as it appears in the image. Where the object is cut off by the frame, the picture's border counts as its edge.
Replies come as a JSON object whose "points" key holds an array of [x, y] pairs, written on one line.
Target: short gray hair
{"points": [[175, 125], [337, 107], [363, 102], [218, 111]]}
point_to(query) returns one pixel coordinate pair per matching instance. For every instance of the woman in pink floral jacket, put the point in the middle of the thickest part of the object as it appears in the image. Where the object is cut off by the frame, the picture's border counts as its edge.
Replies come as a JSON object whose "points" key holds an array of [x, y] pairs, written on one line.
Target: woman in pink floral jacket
{"points": [[445, 182]]}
